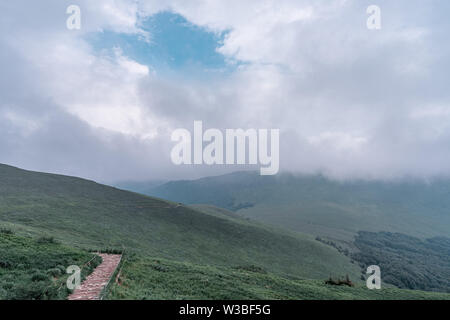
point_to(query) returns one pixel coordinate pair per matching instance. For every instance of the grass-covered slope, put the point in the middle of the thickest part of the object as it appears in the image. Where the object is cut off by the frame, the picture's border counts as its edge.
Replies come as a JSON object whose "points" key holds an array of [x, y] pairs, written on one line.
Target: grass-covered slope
{"points": [[85, 214], [172, 251], [153, 278], [319, 206], [35, 269]]}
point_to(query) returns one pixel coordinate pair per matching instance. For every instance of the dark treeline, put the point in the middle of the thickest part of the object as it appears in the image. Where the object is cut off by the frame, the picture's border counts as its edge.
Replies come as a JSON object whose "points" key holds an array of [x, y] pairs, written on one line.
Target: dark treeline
{"points": [[405, 261]]}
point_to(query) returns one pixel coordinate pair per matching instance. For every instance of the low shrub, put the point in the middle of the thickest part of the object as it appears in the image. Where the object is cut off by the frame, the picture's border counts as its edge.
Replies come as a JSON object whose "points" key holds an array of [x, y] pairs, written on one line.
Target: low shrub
{"points": [[44, 240], [54, 272], [39, 276], [6, 231]]}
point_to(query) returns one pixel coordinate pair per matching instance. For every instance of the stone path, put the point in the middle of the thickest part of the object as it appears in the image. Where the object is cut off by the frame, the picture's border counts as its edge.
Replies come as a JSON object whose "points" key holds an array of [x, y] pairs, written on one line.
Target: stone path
{"points": [[91, 288]]}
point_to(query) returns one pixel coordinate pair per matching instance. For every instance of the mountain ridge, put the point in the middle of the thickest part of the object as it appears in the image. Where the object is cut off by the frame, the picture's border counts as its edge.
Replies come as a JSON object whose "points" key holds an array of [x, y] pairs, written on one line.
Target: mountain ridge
{"points": [[319, 206]]}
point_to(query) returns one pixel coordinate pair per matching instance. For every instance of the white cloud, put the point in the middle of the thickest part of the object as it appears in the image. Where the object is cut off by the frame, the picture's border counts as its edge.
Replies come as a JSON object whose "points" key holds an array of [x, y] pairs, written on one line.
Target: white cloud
{"points": [[349, 101], [339, 141]]}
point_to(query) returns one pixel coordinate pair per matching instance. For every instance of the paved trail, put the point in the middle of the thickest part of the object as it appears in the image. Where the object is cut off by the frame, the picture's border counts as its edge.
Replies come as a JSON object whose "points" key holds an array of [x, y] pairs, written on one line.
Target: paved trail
{"points": [[91, 288]]}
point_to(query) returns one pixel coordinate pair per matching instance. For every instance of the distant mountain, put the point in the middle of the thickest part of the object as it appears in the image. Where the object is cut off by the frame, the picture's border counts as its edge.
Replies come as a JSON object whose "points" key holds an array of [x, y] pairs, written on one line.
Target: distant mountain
{"points": [[319, 206]]}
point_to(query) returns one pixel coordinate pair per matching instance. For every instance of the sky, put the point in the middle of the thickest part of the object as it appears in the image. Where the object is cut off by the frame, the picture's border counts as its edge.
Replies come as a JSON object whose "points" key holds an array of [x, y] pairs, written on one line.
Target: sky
{"points": [[101, 102]]}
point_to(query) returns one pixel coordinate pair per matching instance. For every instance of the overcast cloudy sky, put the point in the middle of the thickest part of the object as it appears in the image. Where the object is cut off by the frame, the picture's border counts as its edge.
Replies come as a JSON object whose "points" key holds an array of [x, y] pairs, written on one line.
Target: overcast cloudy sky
{"points": [[102, 102]]}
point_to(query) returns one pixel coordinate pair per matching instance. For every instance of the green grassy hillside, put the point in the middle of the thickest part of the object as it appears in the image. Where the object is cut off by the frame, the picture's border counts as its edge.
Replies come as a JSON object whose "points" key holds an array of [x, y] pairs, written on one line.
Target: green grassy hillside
{"points": [[35, 269], [85, 214], [172, 250], [316, 205], [153, 278]]}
